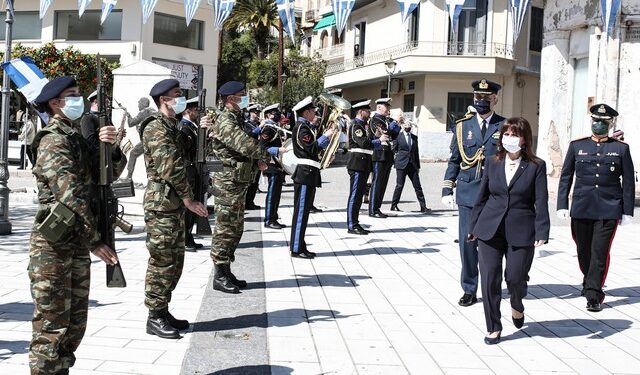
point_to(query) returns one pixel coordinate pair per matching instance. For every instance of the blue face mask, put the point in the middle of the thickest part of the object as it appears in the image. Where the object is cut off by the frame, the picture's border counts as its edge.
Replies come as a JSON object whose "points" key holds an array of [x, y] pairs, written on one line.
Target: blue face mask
{"points": [[244, 102], [180, 105], [73, 107], [482, 106]]}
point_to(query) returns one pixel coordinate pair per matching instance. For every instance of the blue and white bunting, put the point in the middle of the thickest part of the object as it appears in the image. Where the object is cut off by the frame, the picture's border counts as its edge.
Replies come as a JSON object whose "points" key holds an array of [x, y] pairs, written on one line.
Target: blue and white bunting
{"points": [[609, 10], [190, 9], [221, 11], [286, 10], [342, 10], [147, 9], [107, 7], [455, 8], [518, 12], [44, 5], [406, 7], [26, 76], [82, 6]]}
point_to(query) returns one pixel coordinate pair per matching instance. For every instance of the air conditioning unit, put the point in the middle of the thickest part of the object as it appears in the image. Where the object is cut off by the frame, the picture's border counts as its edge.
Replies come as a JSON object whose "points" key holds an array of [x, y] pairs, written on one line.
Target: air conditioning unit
{"points": [[396, 85]]}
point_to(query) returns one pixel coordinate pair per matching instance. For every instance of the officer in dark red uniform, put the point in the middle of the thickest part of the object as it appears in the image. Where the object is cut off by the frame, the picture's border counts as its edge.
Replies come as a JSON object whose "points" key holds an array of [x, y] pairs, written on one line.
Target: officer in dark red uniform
{"points": [[270, 139], [600, 199]]}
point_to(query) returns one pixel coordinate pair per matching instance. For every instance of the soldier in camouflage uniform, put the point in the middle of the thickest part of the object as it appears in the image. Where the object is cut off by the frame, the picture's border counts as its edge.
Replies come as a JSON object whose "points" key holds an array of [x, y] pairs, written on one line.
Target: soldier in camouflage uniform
{"points": [[237, 151], [59, 262], [165, 199]]}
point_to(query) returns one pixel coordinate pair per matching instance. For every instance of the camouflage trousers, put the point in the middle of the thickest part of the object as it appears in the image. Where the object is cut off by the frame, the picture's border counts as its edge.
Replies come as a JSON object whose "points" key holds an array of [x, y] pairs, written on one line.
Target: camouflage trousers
{"points": [[165, 242], [60, 279], [230, 202]]}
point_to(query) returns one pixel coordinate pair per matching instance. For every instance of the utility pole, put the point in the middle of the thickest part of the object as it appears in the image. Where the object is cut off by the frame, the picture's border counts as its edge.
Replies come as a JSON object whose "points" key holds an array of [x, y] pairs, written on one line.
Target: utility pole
{"points": [[5, 224]]}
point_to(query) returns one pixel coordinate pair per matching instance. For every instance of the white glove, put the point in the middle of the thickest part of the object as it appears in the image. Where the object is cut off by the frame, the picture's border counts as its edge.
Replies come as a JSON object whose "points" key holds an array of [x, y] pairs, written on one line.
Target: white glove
{"points": [[562, 214], [626, 219], [449, 201]]}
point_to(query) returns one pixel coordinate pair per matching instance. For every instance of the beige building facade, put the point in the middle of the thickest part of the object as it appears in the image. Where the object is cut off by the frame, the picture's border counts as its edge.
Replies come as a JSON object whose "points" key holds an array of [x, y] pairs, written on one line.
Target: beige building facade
{"points": [[434, 66]]}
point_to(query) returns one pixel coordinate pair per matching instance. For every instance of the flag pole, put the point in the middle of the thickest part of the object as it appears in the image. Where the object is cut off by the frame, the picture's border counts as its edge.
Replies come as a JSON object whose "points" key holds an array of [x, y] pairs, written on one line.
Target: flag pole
{"points": [[5, 224]]}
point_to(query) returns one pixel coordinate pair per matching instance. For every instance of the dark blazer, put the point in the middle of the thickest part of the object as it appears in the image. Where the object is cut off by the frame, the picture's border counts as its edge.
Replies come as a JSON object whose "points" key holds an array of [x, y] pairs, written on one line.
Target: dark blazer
{"points": [[523, 204], [359, 138], [404, 154], [305, 146]]}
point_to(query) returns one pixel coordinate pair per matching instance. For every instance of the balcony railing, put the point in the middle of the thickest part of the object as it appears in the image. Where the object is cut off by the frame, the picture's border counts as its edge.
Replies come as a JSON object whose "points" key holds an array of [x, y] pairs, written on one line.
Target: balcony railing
{"points": [[423, 49], [331, 52]]}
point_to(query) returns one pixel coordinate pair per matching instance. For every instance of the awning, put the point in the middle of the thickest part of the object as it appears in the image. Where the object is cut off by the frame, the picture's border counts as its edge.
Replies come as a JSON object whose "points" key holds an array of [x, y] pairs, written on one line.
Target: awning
{"points": [[327, 20]]}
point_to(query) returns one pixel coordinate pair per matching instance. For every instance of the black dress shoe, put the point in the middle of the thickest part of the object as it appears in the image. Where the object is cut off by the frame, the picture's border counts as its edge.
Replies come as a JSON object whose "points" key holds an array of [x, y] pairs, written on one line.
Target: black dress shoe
{"points": [[425, 210], [357, 230], [467, 300], [492, 340], [192, 246], [274, 225], [305, 254], [518, 322], [394, 207], [179, 324], [379, 215], [361, 228], [314, 210], [251, 207], [594, 306]]}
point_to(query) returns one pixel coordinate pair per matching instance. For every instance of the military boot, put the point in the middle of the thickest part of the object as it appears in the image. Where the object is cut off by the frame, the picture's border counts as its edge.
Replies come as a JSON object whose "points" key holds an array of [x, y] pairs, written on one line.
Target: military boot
{"points": [[221, 280], [179, 324], [157, 324], [234, 280]]}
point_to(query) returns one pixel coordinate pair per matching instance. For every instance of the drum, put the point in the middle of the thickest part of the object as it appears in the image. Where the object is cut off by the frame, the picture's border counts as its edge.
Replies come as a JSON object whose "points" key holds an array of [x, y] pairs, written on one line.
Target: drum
{"points": [[288, 160]]}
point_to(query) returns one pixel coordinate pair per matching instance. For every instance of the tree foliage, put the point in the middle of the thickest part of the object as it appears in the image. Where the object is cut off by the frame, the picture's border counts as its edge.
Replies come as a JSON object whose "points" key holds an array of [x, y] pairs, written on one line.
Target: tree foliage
{"points": [[258, 17]]}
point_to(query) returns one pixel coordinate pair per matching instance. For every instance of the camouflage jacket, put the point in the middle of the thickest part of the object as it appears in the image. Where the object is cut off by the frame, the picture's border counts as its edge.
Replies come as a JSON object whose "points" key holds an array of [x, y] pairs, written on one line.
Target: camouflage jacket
{"points": [[65, 172], [234, 148], [164, 156]]}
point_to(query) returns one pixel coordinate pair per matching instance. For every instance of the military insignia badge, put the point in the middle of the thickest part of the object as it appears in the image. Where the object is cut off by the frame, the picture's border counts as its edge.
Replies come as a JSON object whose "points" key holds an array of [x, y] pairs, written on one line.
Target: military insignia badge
{"points": [[359, 133], [602, 109], [470, 135], [306, 138], [496, 135], [612, 169], [483, 84]]}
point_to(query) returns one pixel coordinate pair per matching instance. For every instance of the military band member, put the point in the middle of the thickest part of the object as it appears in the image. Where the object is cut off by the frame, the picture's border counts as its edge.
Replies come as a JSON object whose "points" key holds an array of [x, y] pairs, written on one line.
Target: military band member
{"points": [[271, 141], [65, 229], [306, 178], [382, 158], [189, 137], [361, 147], [238, 153], [167, 195], [476, 137], [600, 200], [252, 128]]}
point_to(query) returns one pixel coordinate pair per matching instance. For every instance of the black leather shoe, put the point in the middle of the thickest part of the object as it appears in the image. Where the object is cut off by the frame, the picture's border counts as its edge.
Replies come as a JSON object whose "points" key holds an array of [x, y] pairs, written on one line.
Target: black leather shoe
{"points": [[361, 228], [492, 340], [222, 282], [274, 225], [305, 254], [158, 325], [357, 230], [394, 207], [251, 207], [379, 215], [192, 246], [518, 322], [425, 210], [63, 372], [594, 306], [234, 280], [179, 324], [467, 300], [314, 210]]}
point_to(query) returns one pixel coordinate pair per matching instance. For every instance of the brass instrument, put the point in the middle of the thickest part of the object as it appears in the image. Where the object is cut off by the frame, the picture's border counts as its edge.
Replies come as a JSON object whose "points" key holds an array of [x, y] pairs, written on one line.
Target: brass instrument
{"points": [[332, 117]]}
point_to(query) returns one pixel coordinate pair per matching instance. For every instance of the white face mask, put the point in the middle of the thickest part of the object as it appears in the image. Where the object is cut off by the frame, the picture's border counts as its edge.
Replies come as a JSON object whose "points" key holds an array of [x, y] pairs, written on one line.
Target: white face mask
{"points": [[511, 143]]}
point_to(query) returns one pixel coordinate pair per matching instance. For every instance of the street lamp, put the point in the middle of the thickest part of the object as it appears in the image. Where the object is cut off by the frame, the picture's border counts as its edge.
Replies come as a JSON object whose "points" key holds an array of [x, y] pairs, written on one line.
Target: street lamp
{"points": [[390, 66], [5, 224], [283, 78]]}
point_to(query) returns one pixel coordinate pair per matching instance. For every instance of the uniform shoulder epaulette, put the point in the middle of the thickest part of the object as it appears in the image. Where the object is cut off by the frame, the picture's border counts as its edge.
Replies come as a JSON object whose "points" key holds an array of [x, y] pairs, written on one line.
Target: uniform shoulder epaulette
{"points": [[467, 116], [580, 139], [618, 140]]}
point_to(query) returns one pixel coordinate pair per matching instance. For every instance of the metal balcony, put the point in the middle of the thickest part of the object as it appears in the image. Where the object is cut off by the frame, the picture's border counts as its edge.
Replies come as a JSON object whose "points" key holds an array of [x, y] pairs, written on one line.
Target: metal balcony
{"points": [[331, 53]]}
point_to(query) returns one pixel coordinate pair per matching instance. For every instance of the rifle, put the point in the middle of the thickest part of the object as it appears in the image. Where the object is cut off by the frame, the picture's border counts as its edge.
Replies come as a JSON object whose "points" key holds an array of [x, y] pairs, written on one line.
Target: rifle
{"points": [[200, 190], [108, 203]]}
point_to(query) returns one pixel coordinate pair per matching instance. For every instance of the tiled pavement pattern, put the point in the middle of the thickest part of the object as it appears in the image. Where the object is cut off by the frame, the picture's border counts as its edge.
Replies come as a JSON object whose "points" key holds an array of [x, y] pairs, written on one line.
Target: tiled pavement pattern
{"points": [[380, 304]]}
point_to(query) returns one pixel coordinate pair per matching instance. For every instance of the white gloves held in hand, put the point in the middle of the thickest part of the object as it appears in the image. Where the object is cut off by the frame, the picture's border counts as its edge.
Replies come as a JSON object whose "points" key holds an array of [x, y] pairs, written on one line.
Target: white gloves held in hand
{"points": [[449, 201], [626, 219], [562, 214]]}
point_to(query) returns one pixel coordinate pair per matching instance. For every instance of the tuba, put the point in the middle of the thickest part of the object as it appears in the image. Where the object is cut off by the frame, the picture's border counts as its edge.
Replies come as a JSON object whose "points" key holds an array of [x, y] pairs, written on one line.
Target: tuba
{"points": [[332, 117]]}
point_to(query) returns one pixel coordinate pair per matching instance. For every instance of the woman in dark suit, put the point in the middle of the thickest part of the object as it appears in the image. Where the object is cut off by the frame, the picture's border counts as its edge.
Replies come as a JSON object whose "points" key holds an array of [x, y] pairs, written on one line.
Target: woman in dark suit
{"points": [[509, 219]]}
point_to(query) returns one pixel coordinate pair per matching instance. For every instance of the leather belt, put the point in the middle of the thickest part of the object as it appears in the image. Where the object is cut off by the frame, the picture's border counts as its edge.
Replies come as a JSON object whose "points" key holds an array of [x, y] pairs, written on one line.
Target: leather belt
{"points": [[309, 162], [361, 151]]}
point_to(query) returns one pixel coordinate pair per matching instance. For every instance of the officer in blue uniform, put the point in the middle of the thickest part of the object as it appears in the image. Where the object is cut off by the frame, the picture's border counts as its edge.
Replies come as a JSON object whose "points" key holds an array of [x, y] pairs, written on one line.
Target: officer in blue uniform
{"points": [[306, 178], [600, 199], [475, 140], [270, 138], [361, 148], [380, 124]]}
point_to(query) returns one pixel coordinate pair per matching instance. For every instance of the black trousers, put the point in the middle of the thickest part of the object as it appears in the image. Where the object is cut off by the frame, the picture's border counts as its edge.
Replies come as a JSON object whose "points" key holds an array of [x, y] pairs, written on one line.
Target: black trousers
{"points": [[252, 189], [303, 196], [593, 240], [414, 175], [25, 150], [272, 201], [518, 264], [357, 187], [381, 172]]}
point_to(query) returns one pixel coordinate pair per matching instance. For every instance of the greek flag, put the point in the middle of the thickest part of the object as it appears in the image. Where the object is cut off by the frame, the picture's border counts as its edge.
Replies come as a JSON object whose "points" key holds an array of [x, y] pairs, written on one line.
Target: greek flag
{"points": [[286, 10], [342, 11], [190, 9], [82, 6], [26, 76], [44, 5], [147, 9], [107, 7], [609, 10], [518, 12], [455, 8], [406, 7], [221, 11]]}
